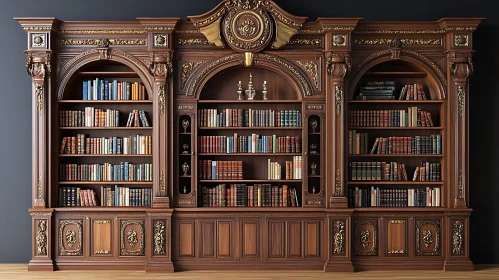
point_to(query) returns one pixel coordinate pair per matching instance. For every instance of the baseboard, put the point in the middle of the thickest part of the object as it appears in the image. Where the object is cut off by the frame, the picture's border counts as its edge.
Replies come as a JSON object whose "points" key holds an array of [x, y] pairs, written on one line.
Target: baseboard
{"points": [[339, 266], [38, 265], [205, 265], [397, 265], [464, 265], [165, 267]]}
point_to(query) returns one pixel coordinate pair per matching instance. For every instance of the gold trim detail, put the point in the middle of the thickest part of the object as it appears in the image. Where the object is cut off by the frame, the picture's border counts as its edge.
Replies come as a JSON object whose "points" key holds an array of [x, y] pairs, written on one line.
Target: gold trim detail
{"points": [[185, 107], [312, 68], [37, 28], [428, 31], [187, 69], [248, 59], [396, 221], [41, 238], [66, 42], [40, 214], [338, 93], [339, 40], [337, 186], [159, 28], [102, 221], [40, 186], [396, 252], [427, 237], [339, 238], [188, 31], [161, 100], [105, 31], [460, 186], [457, 238], [101, 252], [327, 29], [404, 41], [39, 96], [71, 238], [461, 96], [160, 40], [364, 238], [314, 107], [162, 190], [315, 42], [186, 42], [159, 238], [131, 238]]}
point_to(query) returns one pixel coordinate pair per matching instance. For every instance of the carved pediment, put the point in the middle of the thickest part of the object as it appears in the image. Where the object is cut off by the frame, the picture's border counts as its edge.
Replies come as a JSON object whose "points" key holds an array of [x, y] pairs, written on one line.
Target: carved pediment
{"points": [[248, 25]]}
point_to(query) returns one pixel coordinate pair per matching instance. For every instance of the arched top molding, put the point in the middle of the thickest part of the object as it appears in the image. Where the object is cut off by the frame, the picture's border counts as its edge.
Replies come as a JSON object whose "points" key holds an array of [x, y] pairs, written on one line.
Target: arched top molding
{"points": [[298, 79], [412, 57], [72, 66]]}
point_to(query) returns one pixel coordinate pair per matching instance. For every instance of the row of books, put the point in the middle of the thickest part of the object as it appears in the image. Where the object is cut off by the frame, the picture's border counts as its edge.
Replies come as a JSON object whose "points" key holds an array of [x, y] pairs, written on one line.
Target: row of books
{"points": [[293, 169], [373, 90], [124, 171], [137, 118], [249, 118], [130, 145], [358, 144], [99, 89], [412, 92], [418, 145], [220, 170], [249, 144], [428, 171], [90, 117], [109, 196], [413, 117], [376, 197], [241, 195], [376, 171]]}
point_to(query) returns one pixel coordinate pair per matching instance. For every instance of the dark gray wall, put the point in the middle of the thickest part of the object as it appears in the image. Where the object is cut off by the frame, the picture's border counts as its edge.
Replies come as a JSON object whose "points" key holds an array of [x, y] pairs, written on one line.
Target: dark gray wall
{"points": [[15, 101]]}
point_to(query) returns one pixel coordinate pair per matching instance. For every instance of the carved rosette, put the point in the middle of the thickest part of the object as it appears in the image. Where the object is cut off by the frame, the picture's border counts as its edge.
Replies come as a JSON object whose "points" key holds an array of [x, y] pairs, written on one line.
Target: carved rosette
{"points": [[159, 238], [339, 238]]}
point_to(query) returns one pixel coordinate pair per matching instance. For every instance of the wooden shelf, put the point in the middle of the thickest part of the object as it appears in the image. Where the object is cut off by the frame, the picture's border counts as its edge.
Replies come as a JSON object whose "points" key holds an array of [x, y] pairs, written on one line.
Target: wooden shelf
{"points": [[397, 128], [316, 154], [184, 133], [101, 208], [394, 74], [105, 183], [396, 155], [314, 176], [250, 181], [249, 209], [394, 183], [399, 101], [401, 209], [107, 101], [108, 73], [185, 176], [106, 128], [250, 128], [250, 154], [314, 133], [249, 102], [101, 155]]}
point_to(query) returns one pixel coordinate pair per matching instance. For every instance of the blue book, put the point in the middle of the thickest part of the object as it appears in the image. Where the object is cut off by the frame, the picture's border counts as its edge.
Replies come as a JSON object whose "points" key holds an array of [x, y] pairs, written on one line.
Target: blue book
{"points": [[115, 146], [214, 170], [116, 195], [115, 90], [85, 89], [97, 89], [102, 90], [106, 90], [126, 171], [250, 148], [89, 90]]}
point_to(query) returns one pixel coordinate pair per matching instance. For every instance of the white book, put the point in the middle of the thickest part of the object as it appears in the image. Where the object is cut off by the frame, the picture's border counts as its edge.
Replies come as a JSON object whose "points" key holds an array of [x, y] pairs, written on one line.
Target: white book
{"points": [[268, 169], [437, 197]]}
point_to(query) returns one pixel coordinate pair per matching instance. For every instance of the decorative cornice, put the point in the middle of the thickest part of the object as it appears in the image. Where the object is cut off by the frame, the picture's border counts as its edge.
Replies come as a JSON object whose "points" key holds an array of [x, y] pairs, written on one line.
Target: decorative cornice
{"points": [[105, 31], [66, 42], [381, 41], [37, 28]]}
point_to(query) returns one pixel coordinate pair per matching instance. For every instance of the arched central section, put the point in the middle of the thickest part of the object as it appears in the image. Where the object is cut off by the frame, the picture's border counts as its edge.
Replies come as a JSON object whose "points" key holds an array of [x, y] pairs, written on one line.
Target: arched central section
{"points": [[281, 75]]}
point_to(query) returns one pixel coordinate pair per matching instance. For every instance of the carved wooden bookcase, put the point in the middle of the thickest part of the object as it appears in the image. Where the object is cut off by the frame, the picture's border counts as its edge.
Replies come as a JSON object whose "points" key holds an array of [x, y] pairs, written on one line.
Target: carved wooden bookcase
{"points": [[315, 68]]}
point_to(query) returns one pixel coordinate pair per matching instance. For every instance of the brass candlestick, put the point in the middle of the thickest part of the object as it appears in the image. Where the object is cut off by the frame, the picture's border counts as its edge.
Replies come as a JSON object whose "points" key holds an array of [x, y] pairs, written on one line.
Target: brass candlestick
{"points": [[185, 168], [185, 124], [239, 91], [250, 92], [264, 91]]}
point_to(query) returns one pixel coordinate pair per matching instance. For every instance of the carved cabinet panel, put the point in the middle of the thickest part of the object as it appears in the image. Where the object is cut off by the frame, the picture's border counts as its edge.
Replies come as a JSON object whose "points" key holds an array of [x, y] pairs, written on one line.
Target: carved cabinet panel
{"points": [[457, 231], [207, 239], [160, 246], [276, 239], [313, 237], [185, 238], [428, 234], [101, 237], [225, 247], [294, 237], [70, 237], [366, 237], [396, 237], [250, 239], [132, 239]]}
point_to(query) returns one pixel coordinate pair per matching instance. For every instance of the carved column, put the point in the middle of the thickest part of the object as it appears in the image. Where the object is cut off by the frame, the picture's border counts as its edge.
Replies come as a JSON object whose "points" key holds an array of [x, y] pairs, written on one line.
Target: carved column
{"points": [[338, 65], [38, 66], [161, 68]]}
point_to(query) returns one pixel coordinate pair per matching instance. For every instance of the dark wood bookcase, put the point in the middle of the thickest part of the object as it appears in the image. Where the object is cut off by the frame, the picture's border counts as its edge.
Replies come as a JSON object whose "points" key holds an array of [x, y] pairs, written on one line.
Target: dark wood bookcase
{"points": [[316, 68]]}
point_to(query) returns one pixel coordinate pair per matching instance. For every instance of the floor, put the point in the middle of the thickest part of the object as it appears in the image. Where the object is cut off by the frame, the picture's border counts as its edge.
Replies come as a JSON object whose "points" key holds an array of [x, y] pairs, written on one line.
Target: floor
{"points": [[20, 272]]}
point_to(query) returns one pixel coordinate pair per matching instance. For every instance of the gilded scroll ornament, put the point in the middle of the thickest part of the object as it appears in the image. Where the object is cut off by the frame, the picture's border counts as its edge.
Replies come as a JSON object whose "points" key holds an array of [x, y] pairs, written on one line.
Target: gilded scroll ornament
{"points": [[457, 238], [159, 238], [66, 42], [396, 252], [312, 68], [337, 186], [427, 238], [71, 237], [190, 42], [101, 252], [382, 41], [100, 222], [460, 186], [41, 238], [461, 96], [364, 238], [161, 100], [105, 31], [314, 107], [314, 42], [132, 239], [339, 237], [338, 93], [187, 69]]}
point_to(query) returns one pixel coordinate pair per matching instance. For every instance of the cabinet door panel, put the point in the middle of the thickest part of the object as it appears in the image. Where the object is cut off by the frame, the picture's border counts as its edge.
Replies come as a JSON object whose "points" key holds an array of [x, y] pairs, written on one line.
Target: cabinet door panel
{"points": [[396, 237], [101, 239], [250, 239], [207, 239], [132, 238], [313, 230], [428, 237], [70, 237], [295, 242], [224, 239], [365, 237], [186, 241], [276, 239]]}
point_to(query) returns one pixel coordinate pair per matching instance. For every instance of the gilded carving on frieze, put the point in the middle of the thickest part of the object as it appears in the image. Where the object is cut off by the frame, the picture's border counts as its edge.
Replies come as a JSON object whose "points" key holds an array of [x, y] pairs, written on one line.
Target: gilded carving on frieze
{"points": [[339, 238], [312, 68], [314, 42], [457, 238], [405, 41], [97, 42], [461, 40], [187, 69], [159, 238], [192, 41]]}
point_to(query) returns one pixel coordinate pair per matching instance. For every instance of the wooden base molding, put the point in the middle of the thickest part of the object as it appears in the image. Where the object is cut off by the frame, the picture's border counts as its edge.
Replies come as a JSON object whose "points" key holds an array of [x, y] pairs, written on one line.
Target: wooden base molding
{"points": [[248, 138]]}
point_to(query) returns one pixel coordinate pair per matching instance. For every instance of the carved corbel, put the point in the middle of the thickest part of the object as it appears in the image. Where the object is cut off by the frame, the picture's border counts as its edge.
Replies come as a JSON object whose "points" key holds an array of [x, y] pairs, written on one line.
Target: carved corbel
{"points": [[396, 48], [160, 65], [338, 65], [38, 66], [461, 66], [103, 48]]}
